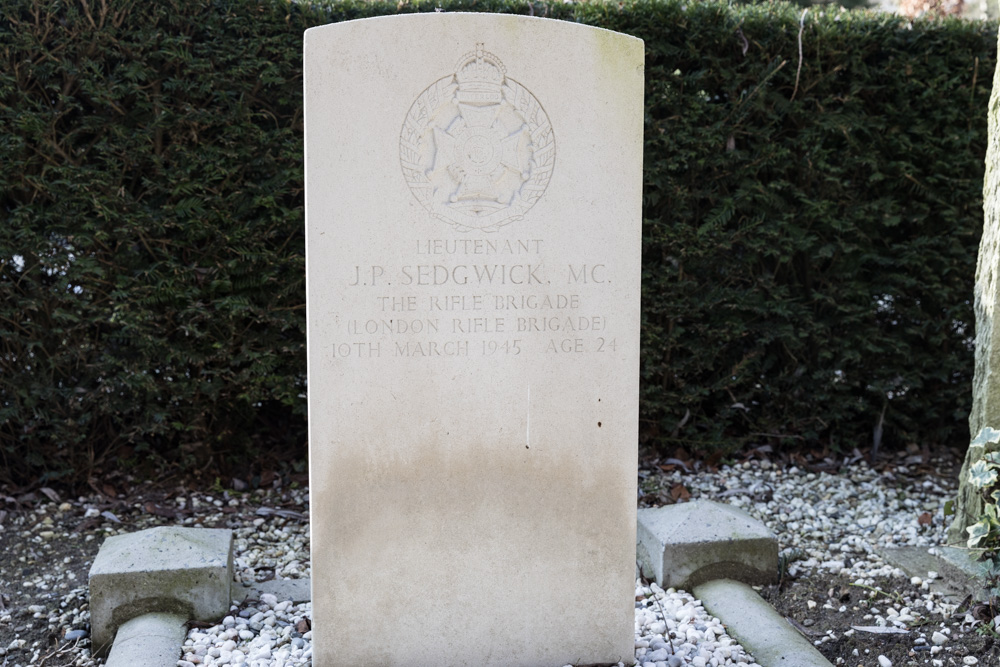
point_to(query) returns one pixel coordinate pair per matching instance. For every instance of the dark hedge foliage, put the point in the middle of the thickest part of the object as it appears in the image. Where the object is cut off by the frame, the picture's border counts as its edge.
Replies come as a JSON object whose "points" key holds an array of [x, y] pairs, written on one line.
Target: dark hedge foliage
{"points": [[810, 225], [812, 232], [151, 183]]}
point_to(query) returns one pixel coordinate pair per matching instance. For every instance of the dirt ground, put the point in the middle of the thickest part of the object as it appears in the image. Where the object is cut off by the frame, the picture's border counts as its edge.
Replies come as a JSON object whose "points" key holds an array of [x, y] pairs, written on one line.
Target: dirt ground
{"points": [[860, 648], [48, 544], [43, 576]]}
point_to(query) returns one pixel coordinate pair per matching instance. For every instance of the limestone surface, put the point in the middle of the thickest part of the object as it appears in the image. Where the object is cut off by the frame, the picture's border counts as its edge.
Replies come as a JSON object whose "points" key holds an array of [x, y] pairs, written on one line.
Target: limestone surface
{"points": [[473, 219]]}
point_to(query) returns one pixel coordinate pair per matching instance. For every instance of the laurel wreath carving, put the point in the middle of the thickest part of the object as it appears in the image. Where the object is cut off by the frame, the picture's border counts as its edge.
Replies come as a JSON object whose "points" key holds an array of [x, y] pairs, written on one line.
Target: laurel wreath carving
{"points": [[540, 164]]}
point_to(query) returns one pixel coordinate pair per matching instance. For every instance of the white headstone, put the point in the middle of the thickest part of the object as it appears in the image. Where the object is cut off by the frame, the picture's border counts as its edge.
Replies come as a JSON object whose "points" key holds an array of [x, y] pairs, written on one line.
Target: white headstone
{"points": [[473, 195]]}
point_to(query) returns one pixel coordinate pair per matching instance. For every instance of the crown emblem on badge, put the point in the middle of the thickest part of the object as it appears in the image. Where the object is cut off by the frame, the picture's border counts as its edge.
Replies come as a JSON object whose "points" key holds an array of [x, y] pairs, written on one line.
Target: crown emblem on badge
{"points": [[480, 78]]}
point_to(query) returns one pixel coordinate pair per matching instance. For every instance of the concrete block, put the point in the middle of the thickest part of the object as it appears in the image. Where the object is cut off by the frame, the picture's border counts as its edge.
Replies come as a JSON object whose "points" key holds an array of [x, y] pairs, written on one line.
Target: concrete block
{"points": [[182, 571], [680, 546]]}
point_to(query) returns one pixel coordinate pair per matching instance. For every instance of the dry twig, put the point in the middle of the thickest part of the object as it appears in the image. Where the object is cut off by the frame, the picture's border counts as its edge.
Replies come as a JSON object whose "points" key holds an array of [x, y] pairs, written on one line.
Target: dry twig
{"points": [[798, 70]]}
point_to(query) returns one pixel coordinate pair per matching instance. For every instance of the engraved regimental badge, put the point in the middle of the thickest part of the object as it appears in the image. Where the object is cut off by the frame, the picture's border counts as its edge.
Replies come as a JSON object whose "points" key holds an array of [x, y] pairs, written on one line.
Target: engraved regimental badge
{"points": [[476, 148]]}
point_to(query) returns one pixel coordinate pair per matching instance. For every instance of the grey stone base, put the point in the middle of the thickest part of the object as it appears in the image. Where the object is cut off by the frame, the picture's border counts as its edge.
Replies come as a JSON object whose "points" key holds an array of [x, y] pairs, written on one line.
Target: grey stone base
{"points": [[682, 545]]}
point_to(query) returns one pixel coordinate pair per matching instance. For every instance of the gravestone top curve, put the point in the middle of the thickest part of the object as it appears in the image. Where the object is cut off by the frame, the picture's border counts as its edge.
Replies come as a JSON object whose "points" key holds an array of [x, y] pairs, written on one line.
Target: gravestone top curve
{"points": [[473, 219]]}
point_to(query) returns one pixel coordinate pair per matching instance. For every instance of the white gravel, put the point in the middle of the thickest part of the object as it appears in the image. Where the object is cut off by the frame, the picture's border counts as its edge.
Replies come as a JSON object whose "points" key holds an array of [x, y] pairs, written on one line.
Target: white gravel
{"points": [[833, 522], [673, 629], [823, 522], [830, 522]]}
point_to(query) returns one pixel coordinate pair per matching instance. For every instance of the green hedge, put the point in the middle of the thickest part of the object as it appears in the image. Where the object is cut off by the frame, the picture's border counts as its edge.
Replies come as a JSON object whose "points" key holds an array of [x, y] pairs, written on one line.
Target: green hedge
{"points": [[151, 177], [810, 225], [811, 234]]}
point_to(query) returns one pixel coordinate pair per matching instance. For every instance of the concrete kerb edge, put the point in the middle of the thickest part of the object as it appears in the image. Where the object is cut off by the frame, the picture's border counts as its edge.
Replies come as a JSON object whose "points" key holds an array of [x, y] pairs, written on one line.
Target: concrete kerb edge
{"points": [[296, 590], [759, 628], [151, 640], [959, 573], [150, 629], [691, 546]]}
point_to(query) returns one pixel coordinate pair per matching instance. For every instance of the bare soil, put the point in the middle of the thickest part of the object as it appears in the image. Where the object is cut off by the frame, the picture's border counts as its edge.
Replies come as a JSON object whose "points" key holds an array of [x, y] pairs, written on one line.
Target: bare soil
{"points": [[48, 543], [860, 648]]}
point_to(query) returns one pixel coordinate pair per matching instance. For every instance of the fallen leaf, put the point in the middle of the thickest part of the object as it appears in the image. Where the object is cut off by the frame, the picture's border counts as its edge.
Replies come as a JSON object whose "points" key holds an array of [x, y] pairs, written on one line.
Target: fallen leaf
{"points": [[86, 525], [303, 626], [50, 494], [679, 492], [925, 519], [111, 517], [677, 462], [981, 612], [152, 508]]}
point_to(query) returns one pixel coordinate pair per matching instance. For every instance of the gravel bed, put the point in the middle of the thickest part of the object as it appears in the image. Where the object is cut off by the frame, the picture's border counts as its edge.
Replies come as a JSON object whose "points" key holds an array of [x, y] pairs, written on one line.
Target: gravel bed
{"points": [[833, 522], [831, 525], [825, 523]]}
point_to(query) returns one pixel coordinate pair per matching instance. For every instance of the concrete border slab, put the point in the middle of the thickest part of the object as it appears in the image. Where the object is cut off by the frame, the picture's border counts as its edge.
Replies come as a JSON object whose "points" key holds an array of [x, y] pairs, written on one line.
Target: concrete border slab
{"points": [[959, 575], [754, 623], [150, 640], [296, 590]]}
